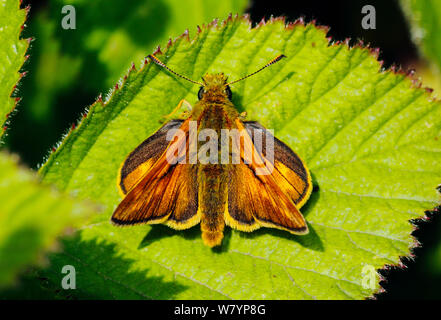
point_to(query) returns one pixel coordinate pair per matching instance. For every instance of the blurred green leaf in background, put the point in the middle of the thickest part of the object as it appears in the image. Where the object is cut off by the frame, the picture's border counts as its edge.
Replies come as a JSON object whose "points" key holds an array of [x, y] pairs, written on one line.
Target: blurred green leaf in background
{"points": [[425, 25], [12, 50], [70, 68], [31, 216]]}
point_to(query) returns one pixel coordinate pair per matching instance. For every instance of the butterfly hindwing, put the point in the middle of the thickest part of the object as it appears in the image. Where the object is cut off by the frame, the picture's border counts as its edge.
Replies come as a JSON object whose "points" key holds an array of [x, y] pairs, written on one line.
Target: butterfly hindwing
{"points": [[258, 203]]}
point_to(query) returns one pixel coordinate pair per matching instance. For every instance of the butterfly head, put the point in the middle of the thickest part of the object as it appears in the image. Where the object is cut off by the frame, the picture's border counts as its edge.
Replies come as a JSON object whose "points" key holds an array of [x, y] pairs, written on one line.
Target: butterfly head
{"points": [[214, 86]]}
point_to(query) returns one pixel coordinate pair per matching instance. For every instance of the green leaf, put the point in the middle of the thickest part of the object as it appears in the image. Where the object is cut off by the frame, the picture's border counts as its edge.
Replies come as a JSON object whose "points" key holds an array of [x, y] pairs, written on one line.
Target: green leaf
{"points": [[12, 55], [31, 217], [370, 139], [425, 25]]}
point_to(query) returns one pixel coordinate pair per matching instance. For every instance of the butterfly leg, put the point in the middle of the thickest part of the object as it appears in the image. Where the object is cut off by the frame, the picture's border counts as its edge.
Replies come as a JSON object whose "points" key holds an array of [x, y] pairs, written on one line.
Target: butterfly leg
{"points": [[183, 115]]}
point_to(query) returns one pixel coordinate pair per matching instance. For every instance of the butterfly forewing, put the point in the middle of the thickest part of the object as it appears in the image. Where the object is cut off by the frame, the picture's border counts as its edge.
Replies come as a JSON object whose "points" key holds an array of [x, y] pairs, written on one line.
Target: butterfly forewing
{"points": [[163, 192], [140, 160], [294, 176], [265, 199]]}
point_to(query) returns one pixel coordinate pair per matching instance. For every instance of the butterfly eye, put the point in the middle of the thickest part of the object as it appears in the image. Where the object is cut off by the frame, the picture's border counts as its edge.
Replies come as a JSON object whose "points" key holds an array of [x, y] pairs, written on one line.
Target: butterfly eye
{"points": [[201, 93], [228, 92]]}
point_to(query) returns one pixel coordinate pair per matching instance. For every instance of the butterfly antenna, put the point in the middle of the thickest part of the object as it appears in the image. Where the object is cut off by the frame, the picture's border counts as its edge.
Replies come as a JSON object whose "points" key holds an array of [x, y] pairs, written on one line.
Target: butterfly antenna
{"points": [[278, 58], [161, 64]]}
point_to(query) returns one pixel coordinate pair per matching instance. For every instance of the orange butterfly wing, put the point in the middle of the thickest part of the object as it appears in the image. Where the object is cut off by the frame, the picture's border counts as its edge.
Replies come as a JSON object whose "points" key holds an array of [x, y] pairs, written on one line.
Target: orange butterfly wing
{"points": [[141, 160], [267, 200], [296, 180], [164, 193]]}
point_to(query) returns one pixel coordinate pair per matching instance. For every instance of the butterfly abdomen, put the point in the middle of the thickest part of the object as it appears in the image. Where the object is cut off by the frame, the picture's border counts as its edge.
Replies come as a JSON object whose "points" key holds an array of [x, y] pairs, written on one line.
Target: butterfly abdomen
{"points": [[212, 202]]}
